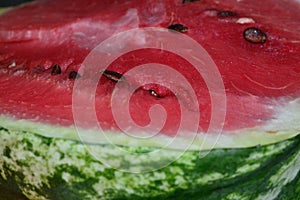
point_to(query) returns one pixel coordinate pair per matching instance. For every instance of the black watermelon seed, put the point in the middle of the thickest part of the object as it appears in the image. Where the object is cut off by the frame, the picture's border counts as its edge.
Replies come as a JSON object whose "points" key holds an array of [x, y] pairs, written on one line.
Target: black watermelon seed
{"points": [[113, 76], [226, 13], [255, 35], [153, 93], [189, 1], [74, 75], [178, 27], [56, 69]]}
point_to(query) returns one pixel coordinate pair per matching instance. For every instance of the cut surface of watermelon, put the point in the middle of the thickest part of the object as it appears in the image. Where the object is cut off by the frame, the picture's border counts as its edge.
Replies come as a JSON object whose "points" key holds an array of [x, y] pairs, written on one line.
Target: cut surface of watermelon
{"points": [[46, 154], [261, 80]]}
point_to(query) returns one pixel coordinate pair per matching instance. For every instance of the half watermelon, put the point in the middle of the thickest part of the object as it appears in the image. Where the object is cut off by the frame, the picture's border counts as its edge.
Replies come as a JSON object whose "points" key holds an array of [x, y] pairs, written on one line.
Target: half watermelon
{"points": [[79, 115]]}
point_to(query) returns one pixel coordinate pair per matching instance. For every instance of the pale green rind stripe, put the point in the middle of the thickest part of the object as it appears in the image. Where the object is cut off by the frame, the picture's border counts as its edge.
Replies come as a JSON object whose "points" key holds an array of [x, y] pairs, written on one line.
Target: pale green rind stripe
{"points": [[3, 10], [237, 139]]}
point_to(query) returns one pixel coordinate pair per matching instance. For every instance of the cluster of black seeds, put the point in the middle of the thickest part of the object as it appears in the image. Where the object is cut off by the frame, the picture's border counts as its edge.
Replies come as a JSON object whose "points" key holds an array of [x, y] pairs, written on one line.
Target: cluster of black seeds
{"points": [[251, 34], [116, 77], [56, 69]]}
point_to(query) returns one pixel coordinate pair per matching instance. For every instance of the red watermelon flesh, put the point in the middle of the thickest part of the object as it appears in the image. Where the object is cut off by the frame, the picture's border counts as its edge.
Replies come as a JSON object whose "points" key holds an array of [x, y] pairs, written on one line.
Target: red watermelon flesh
{"points": [[259, 79]]}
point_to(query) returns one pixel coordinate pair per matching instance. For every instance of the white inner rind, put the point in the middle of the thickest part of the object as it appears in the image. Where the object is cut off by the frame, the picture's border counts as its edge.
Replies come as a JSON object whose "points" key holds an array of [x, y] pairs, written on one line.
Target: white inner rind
{"points": [[284, 124]]}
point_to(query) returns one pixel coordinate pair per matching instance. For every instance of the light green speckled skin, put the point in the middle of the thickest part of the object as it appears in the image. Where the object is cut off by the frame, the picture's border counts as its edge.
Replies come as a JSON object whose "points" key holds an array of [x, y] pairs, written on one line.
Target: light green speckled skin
{"points": [[51, 168]]}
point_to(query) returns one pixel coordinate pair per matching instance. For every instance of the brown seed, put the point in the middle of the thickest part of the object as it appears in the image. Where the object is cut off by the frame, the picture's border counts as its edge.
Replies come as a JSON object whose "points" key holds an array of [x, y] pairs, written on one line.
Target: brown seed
{"points": [[189, 1], [113, 76], [178, 27], [255, 35], [74, 75], [153, 93], [226, 13], [56, 69]]}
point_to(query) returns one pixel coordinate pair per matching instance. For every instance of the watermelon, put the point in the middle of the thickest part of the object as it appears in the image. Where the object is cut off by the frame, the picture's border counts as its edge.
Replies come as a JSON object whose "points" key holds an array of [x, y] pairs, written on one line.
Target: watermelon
{"points": [[162, 99]]}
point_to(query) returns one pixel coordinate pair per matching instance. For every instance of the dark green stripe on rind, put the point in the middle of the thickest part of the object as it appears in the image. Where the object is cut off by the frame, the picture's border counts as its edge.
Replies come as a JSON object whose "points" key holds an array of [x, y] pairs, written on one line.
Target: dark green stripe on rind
{"points": [[64, 169], [291, 190]]}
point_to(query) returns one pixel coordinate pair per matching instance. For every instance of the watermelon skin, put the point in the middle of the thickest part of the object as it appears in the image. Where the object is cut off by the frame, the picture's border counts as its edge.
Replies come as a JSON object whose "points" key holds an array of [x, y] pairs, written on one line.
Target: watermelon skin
{"points": [[50, 168]]}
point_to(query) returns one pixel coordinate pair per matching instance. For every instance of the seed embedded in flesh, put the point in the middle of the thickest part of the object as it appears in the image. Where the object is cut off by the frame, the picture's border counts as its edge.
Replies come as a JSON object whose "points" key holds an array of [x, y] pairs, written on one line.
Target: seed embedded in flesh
{"points": [[226, 13], [74, 75], [255, 35], [56, 69], [153, 93], [178, 27], [188, 1], [113, 76]]}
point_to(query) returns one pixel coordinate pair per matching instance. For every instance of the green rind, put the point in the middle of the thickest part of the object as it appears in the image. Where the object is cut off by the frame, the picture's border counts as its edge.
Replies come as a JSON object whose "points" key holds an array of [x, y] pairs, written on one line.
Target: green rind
{"points": [[291, 190], [53, 168], [3, 10], [235, 139]]}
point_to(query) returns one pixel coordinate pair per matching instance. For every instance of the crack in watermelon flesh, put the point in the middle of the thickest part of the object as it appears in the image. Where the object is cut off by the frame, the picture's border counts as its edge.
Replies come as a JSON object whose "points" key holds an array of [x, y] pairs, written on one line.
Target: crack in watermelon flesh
{"points": [[262, 81]]}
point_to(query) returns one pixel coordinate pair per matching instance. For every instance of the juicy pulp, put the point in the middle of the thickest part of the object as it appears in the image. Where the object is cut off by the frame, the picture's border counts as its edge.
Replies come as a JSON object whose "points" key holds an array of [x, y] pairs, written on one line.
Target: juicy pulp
{"points": [[260, 80]]}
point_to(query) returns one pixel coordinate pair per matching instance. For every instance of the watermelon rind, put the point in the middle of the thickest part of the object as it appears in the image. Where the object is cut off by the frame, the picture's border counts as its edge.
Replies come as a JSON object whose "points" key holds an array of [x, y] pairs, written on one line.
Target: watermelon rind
{"points": [[39, 167], [285, 126], [4, 9]]}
